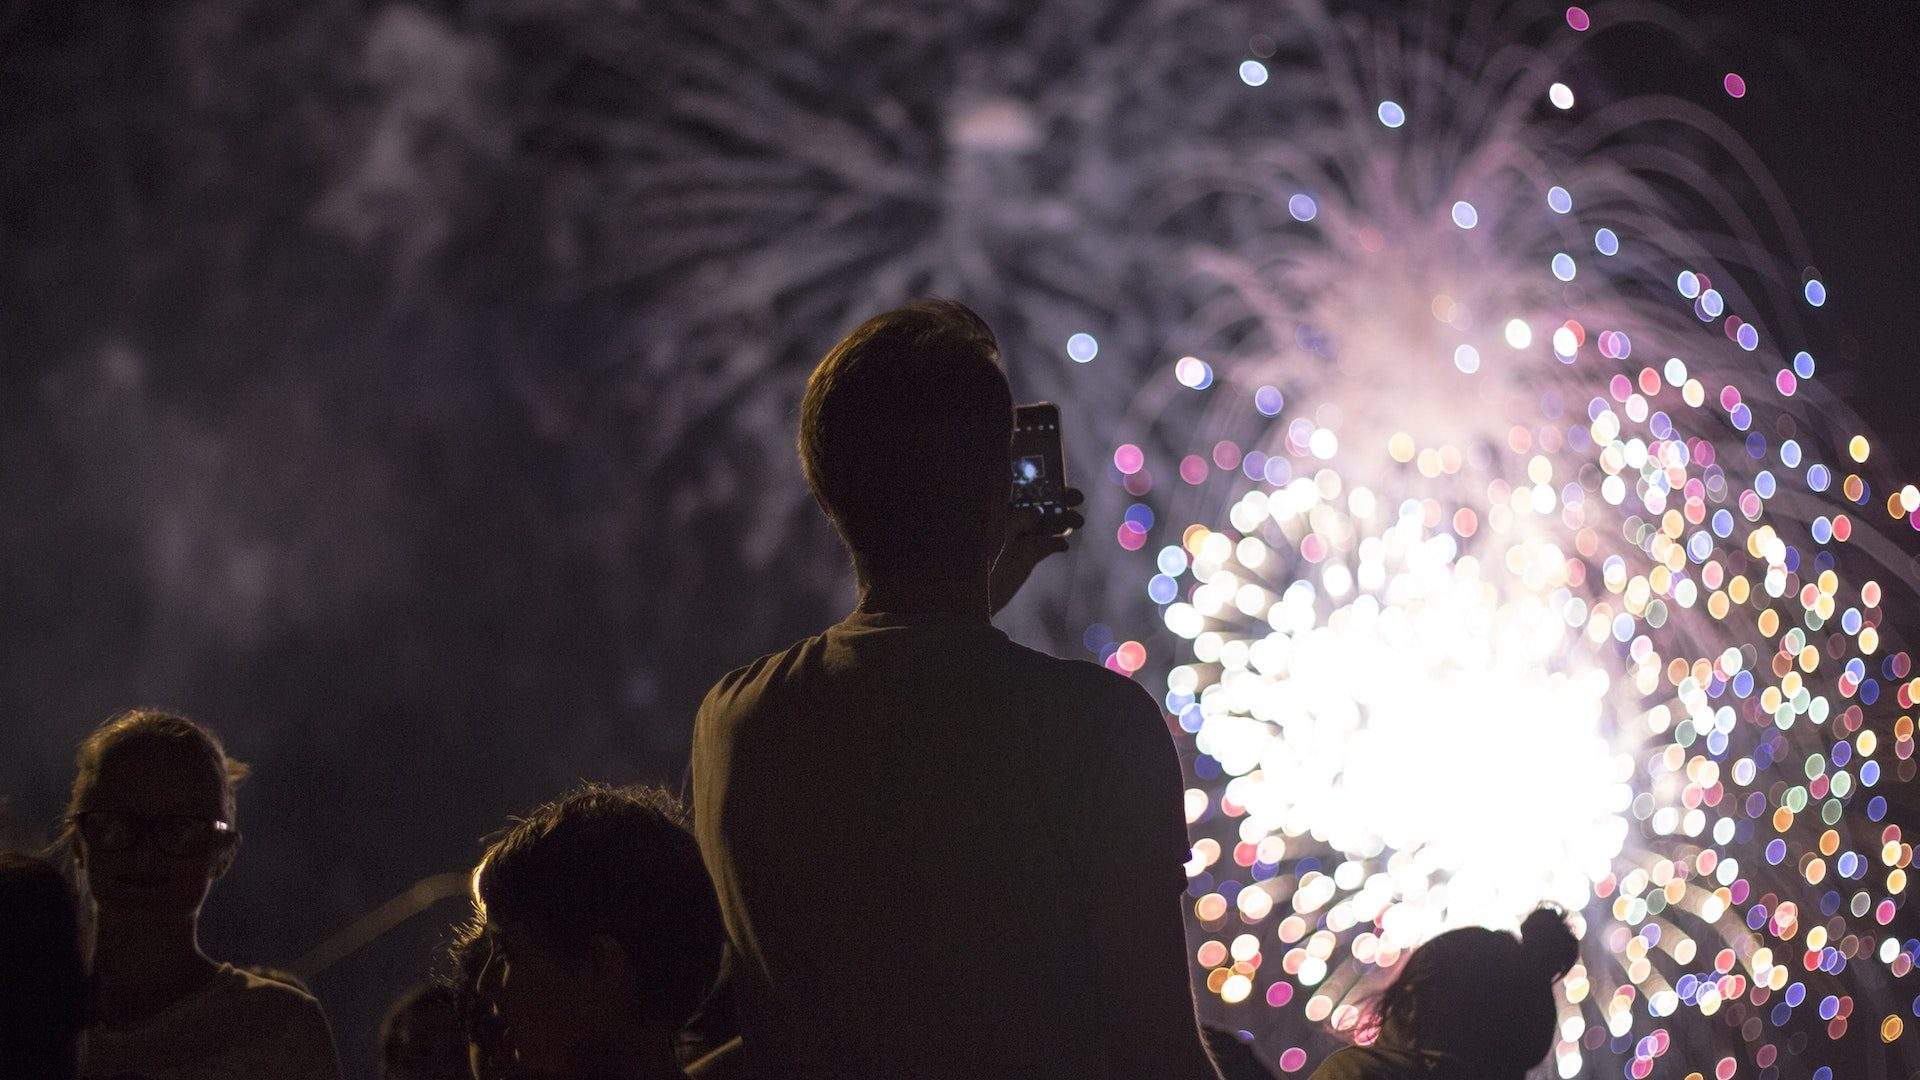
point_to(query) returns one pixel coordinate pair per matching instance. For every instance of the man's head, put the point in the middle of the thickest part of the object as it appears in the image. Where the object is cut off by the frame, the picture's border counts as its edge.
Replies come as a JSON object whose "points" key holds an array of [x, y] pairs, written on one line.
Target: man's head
{"points": [[604, 929], [904, 434]]}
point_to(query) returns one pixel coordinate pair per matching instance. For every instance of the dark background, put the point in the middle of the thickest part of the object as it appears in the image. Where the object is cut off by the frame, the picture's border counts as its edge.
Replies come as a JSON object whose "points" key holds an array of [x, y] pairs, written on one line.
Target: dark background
{"points": [[305, 434]]}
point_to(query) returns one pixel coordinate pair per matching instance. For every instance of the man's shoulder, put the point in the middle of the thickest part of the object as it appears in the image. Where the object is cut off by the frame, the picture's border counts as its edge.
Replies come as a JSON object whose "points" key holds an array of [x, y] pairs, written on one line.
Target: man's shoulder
{"points": [[1098, 686], [743, 680], [1095, 706], [1067, 686]]}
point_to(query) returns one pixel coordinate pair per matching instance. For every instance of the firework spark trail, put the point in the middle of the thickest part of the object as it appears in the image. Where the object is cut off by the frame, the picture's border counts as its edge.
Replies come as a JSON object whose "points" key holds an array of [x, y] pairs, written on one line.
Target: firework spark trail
{"points": [[1488, 407]]}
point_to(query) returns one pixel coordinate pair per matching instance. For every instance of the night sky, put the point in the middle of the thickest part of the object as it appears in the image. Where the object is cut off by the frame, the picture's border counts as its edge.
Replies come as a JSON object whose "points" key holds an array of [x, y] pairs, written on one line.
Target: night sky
{"points": [[319, 423]]}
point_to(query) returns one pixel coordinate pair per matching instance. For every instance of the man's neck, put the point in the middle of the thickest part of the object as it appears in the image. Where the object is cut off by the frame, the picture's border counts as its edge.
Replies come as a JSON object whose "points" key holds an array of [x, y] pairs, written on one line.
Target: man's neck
{"points": [[968, 599]]}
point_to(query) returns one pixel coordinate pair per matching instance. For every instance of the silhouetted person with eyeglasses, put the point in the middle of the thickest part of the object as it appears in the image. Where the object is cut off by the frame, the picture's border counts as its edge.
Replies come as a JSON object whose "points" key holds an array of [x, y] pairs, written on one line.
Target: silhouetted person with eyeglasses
{"points": [[151, 826], [43, 971], [939, 853], [1471, 1004]]}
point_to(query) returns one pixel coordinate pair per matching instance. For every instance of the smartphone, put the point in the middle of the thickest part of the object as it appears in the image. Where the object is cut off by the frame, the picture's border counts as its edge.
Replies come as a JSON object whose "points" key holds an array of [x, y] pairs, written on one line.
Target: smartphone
{"points": [[1039, 465]]}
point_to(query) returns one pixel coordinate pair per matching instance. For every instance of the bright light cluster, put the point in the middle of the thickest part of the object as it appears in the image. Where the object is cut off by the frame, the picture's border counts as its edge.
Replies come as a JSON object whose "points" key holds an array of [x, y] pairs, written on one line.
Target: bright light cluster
{"points": [[1395, 711], [1602, 646]]}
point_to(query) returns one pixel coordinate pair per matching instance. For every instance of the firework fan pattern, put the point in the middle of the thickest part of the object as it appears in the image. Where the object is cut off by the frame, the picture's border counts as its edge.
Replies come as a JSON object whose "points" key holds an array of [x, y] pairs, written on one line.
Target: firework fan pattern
{"points": [[1499, 543]]}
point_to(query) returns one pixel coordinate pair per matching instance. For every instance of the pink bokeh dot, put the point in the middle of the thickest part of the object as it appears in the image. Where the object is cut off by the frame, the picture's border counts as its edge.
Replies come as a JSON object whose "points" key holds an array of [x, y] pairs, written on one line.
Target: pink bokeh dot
{"points": [[1292, 1059], [1736, 86], [1577, 18], [1128, 458], [1313, 549]]}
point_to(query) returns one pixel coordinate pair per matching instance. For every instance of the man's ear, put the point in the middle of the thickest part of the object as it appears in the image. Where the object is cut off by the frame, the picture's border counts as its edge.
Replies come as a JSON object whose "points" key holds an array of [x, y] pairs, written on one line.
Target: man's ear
{"points": [[610, 968]]}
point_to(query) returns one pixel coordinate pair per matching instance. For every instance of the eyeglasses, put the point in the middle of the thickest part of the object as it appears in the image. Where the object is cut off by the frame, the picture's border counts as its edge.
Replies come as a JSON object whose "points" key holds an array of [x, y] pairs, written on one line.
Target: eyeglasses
{"points": [[173, 834]]}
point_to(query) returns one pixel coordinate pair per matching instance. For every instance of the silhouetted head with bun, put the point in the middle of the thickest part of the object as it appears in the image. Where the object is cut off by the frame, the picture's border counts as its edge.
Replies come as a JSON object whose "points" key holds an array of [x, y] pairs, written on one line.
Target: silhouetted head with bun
{"points": [[1483, 997]]}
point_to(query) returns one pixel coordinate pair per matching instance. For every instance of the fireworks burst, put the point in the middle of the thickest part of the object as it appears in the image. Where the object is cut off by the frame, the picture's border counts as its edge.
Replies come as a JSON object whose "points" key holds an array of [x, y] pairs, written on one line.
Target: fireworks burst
{"points": [[1525, 562], [1501, 612]]}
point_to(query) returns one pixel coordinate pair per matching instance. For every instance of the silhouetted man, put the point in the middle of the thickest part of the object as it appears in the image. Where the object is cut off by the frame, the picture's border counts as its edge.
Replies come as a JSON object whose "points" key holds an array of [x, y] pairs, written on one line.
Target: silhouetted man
{"points": [[939, 853]]}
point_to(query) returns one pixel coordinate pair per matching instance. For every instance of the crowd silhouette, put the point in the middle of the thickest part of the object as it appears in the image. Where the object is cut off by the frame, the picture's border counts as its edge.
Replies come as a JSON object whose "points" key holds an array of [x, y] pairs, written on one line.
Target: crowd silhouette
{"points": [[886, 870]]}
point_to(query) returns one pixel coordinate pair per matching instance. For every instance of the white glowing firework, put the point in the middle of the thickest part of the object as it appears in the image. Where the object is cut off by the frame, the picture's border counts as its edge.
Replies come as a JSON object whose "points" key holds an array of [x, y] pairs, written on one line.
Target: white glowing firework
{"points": [[1521, 567], [1398, 710], [1566, 665]]}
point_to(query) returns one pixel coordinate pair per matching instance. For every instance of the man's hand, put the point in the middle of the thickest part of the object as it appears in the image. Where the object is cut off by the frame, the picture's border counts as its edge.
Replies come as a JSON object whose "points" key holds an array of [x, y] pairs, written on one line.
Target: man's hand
{"points": [[1030, 539]]}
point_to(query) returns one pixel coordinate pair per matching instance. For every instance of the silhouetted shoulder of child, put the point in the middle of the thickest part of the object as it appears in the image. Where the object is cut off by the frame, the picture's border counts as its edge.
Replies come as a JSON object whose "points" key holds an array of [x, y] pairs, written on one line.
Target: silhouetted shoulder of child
{"points": [[1387, 1063]]}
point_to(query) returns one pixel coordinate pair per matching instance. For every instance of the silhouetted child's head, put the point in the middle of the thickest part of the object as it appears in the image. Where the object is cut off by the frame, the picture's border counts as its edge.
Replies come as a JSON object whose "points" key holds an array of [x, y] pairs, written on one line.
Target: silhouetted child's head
{"points": [[605, 934], [43, 975], [424, 1037], [151, 817], [904, 435], [1483, 996]]}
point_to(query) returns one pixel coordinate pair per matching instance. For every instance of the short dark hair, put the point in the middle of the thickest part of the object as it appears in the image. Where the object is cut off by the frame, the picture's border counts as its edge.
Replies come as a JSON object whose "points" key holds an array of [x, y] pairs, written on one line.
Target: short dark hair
{"points": [[43, 999], [905, 428], [618, 861]]}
